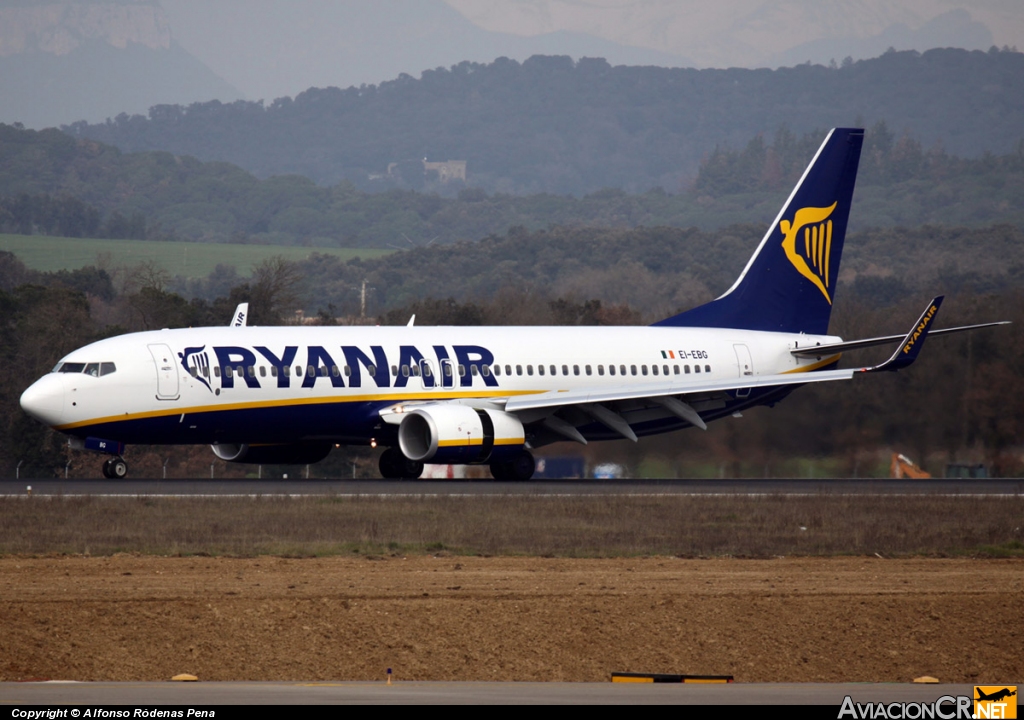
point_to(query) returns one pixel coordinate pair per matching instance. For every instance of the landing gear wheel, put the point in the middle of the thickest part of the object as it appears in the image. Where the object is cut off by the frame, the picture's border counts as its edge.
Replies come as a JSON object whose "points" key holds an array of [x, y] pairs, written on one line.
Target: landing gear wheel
{"points": [[519, 469], [115, 469], [388, 464], [394, 465]]}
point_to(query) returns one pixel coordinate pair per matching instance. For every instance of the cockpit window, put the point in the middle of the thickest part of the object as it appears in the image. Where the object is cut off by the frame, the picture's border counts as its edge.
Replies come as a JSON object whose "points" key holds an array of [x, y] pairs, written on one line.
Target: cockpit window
{"points": [[94, 369]]}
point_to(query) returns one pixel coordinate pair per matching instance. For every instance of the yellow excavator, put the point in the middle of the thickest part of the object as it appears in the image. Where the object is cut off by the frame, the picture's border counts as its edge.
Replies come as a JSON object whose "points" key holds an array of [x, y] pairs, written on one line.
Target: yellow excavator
{"points": [[903, 467]]}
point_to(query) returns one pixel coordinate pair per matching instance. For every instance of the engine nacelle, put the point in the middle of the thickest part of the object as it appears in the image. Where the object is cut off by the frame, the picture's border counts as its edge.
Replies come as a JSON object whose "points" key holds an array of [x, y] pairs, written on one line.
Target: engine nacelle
{"points": [[460, 434], [294, 454]]}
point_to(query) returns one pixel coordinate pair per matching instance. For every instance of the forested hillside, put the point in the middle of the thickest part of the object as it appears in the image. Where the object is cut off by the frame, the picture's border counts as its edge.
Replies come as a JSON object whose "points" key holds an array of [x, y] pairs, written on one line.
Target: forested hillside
{"points": [[952, 405], [51, 183], [552, 125]]}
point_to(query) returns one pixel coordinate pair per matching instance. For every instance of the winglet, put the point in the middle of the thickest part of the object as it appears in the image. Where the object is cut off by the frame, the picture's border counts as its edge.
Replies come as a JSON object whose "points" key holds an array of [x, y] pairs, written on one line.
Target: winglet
{"points": [[911, 346], [240, 316]]}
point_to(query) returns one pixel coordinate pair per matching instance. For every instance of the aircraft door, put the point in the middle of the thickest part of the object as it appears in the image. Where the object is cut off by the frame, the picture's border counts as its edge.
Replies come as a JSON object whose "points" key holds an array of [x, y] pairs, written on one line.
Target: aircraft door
{"points": [[166, 372], [745, 366]]}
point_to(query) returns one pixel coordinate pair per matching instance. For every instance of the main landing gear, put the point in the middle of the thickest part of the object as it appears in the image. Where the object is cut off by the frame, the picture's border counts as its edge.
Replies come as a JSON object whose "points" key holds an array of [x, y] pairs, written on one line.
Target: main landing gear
{"points": [[519, 469], [115, 468], [396, 466]]}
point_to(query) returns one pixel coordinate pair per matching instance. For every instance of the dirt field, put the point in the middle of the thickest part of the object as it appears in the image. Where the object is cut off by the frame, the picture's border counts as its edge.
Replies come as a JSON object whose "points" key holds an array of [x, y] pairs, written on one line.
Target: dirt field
{"points": [[471, 618]]}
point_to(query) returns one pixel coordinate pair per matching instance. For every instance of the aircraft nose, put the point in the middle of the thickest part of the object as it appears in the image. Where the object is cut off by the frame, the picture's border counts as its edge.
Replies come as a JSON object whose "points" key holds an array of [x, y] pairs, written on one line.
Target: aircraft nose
{"points": [[44, 399]]}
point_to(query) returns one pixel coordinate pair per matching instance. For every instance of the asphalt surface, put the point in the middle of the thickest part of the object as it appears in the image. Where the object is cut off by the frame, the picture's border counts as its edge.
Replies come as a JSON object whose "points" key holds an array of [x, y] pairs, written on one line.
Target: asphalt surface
{"points": [[198, 487], [196, 694]]}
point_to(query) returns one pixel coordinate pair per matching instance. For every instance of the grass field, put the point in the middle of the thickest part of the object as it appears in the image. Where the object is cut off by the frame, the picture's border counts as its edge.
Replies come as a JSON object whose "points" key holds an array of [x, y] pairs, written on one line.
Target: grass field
{"points": [[188, 259], [580, 526]]}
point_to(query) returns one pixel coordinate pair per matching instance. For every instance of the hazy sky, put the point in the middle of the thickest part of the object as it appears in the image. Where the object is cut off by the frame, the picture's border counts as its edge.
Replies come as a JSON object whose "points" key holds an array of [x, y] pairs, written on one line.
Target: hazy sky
{"points": [[270, 48]]}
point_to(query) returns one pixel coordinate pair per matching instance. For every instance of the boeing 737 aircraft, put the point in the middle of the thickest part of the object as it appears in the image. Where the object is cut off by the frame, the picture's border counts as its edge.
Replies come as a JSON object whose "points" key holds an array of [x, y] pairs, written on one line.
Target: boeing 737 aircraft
{"points": [[482, 395]]}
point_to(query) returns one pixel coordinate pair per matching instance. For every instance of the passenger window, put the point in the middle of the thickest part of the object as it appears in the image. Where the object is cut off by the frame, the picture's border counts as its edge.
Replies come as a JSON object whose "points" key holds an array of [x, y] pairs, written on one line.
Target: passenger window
{"points": [[540, 369], [462, 371], [486, 370], [589, 371], [654, 369], [474, 370], [529, 369], [427, 372], [707, 368], [263, 370], [696, 368], [287, 370], [632, 369], [665, 369], [405, 371], [371, 370], [611, 369], [415, 370], [298, 371], [600, 369], [497, 370], [565, 369], [575, 369], [348, 371], [310, 371], [193, 371], [508, 369], [335, 370], [519, 369], [643, 369], [675, 369], [686, 369], [324, 370], [227, 372], [252, 371], [553, 369], [93, 369], [447, 369], [622, 370], [394, 370]]}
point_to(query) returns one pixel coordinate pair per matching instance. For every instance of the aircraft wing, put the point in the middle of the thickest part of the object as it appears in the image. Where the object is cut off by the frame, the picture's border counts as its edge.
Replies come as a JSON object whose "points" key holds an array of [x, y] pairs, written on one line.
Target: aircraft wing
{"points": [[673, 394]]}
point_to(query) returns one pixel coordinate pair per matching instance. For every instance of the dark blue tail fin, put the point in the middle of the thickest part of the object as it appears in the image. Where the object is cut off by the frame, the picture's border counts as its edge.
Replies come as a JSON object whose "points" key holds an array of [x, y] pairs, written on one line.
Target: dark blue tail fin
{"points": [[789, 283]]}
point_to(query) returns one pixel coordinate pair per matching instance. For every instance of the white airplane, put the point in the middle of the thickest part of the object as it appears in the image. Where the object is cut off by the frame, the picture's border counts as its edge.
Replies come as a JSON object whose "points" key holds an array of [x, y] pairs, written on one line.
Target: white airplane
{"points": [[482, 394]]}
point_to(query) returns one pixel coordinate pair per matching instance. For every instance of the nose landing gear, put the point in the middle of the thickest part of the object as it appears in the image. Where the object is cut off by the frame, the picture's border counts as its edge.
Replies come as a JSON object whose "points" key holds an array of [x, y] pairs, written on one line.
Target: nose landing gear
{"points": [[115, 468]]}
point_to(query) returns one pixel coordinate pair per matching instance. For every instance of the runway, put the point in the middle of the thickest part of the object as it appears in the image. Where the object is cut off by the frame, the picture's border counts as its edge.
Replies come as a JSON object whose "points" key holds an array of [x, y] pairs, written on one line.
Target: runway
{"points": [[454, 693], [1009, 487]]}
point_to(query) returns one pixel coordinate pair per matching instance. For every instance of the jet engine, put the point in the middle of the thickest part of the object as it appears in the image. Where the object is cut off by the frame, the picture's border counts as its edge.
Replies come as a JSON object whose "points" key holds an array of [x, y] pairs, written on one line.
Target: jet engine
{"points": [[293, 454], [460, 434]]}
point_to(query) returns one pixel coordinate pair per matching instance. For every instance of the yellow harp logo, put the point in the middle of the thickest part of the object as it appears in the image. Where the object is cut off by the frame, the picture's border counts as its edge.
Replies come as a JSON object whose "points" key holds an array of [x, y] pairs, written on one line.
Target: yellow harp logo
{"points": [[813, 262]]}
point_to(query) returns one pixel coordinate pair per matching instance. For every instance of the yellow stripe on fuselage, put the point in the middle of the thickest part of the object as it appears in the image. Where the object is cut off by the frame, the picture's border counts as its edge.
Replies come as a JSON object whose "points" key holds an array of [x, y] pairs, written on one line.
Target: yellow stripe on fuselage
{"points": [[294, 402]]}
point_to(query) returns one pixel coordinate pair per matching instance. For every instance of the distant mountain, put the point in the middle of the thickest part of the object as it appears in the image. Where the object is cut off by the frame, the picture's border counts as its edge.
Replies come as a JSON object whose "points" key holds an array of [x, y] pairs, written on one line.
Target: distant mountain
{"points": [[67, 61], [764, 33], [275, 48], [951, 29], [551, 125]]}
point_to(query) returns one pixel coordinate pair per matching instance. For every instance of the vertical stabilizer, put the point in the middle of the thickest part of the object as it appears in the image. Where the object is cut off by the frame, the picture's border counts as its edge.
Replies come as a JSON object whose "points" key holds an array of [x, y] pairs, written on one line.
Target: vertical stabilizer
{"points": [[789, 283]]}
